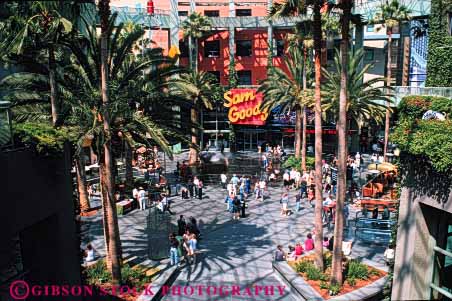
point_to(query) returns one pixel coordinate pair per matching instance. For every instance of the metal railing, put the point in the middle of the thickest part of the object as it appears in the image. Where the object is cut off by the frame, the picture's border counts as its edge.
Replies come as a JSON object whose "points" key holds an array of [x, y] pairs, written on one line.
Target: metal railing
{"points": [[401, 91], [446, 292]]}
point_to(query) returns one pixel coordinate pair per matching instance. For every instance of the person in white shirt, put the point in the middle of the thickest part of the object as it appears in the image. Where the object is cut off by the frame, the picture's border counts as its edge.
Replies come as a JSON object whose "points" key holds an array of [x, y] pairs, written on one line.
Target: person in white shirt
{"points": [[357, 159], [196, 185], [373, 158], [89, 253], [389, 254], [230, 188], [135, 194], [142, 198], [286, 179], [328, 200], [223, 179]]}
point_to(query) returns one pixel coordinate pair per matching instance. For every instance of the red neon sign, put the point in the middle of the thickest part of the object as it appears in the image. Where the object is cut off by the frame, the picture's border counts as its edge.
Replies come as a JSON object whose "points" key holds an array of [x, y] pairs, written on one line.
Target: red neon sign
{"points": [[244, 107]]}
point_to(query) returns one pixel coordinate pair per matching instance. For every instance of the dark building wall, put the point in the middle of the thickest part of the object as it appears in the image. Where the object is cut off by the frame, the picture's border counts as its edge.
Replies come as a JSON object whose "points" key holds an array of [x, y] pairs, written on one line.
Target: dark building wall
{"points": [[424, 215], [37, 207]]}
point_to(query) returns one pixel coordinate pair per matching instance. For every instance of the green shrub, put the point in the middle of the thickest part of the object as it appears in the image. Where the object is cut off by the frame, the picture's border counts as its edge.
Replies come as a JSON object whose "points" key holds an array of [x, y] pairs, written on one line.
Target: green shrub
{"points": [[97, 273], [357, 270], [335, 289], [324, 285], [313, 273], [327, 260], [373, 272], [351, 281], [302, 266], [414, 106], [134, 277], [43, 136], [293, 162], [442, 104]]}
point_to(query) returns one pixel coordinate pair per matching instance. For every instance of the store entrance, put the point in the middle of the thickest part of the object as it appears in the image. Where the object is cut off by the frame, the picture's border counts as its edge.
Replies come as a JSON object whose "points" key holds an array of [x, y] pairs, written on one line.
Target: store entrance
{"points": [[249, 140]]}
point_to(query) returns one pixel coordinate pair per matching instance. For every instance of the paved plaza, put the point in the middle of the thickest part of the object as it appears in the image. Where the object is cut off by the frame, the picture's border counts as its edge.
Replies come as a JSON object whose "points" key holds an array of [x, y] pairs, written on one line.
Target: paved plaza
{"points": [[231, 252]]}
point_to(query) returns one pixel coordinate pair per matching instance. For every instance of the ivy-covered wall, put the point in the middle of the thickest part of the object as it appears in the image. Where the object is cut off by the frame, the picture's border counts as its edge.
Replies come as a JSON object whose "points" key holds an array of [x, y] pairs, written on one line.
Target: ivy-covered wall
{"points": [[427, 140], [439, 63]]}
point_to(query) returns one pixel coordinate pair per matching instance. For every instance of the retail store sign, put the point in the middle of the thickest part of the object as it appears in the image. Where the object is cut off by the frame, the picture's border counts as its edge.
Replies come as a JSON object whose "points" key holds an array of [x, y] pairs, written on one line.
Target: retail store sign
{"points": [[244, 107]]}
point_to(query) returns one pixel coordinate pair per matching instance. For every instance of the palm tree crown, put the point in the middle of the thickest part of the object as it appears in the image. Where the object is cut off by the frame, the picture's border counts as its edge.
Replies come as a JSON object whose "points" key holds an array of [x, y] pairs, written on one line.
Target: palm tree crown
{"points": [[391, 13], [286, 89], [365, 100], [196, 25]]}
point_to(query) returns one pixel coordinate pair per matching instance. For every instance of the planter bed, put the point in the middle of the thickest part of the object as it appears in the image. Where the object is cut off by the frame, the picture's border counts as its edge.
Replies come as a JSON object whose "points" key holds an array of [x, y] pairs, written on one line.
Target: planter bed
{"points": [[307, 289]]}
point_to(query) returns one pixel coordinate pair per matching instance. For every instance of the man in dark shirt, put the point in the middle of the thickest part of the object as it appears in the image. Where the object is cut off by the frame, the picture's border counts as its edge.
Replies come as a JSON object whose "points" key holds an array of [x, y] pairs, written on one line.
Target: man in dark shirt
{"points": [[181, 225]]}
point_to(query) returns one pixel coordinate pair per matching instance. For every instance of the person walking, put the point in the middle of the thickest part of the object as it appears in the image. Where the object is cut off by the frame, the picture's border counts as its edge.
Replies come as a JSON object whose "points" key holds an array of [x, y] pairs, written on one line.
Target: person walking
{"points": [[223, 179], [181, 225], [228, 201], [284, 204], [142, 198], [200, 186], [236, 208], [196, 186], [174, 252], [190, 188], [247, 185], [298, 202], [193, 246]]}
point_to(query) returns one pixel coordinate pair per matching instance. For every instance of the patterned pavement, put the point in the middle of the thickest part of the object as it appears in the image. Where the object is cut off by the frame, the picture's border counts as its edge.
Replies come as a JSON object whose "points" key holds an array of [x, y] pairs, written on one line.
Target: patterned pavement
{"points": [[233, 253]]}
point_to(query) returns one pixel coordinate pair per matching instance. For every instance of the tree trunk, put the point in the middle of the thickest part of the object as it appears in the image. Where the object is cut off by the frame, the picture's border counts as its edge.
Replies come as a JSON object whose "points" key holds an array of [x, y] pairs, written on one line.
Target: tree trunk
{"points": [[303, 141], [193, 155], [305, 122], [336, 272], [388, 83], [81, 184], [193, 53], [53, 87], [318, 224], [111, 229], [298, 117], [129, 167]]}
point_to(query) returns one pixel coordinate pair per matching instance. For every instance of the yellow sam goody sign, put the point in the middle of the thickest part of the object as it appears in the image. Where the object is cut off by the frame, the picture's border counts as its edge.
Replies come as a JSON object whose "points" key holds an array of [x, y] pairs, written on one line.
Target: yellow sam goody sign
{"points": [[244, 107]]}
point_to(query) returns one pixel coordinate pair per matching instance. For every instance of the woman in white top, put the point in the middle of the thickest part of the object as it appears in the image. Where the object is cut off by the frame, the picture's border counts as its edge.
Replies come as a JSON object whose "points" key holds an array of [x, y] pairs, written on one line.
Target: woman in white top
{"points": [[89, 253]]}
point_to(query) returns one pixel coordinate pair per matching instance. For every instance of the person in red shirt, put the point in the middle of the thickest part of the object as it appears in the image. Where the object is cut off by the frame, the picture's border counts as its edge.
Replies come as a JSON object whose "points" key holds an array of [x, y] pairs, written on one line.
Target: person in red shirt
{"points": [[309, 243], [298, 249]]}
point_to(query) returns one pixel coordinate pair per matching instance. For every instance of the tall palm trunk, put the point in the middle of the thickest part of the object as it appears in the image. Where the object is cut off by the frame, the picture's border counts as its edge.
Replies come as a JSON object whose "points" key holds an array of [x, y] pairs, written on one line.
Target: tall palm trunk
{"points": [[53, 88], [111, 229], [318, 224], [193, 155], [129, 168], [388, 83], [298, 118], [81, 183], [305, 122], [336, 273], [193, 53]]}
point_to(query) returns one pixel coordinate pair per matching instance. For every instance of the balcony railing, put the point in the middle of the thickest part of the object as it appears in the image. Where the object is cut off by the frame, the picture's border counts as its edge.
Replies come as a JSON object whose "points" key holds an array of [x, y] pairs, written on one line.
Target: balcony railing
{"points": [[400, 92]]}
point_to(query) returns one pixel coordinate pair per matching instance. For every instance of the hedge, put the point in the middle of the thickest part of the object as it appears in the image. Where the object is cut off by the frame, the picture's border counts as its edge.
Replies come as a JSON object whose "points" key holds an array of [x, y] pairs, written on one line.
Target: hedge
{"points": [[430, 139], [439, 64]]}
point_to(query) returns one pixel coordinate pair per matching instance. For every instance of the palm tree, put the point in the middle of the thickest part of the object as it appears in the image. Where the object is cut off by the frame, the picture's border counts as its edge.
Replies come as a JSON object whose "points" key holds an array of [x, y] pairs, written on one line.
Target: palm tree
{"points": [[336, 272], [390, 14], [295, 7], [46, 27], [198, 88], [364, 99], [195, 27], [106, 162], [302, 38], [288, 92]]}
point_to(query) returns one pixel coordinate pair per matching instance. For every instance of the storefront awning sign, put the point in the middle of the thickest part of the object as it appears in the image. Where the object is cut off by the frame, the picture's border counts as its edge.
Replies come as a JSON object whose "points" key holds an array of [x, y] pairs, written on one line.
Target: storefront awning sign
{"points": [[244, 107]]}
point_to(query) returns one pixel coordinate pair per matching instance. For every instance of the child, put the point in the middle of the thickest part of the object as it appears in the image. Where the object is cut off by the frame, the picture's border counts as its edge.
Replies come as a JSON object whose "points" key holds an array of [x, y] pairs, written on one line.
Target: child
{"points": [[309, 243], [298, 249], [325, 243]]}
